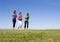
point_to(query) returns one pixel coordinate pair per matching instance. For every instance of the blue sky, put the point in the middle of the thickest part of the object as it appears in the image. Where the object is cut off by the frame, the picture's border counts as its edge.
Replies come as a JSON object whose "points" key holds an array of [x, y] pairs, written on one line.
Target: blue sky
{"points": [[44, 14]]}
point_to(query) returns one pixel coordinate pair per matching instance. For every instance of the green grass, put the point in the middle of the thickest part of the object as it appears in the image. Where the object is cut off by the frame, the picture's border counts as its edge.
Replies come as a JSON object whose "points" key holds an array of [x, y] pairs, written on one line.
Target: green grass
{"points": [[30, 36]]}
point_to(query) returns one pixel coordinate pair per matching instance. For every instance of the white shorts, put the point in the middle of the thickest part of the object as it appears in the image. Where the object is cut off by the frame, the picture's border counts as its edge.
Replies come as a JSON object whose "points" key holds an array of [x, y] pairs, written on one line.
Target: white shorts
{"points": [[19, 23]]}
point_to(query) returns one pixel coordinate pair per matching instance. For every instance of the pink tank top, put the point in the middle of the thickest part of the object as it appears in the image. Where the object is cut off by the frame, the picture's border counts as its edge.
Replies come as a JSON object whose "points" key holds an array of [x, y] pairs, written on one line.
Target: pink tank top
{"points": [[20, 17]]}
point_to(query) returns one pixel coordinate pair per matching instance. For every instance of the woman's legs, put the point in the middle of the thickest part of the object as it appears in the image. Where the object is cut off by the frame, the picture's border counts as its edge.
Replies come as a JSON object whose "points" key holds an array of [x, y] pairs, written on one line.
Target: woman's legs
{"points": [[26, 24], [14, 22], [19, 24]]}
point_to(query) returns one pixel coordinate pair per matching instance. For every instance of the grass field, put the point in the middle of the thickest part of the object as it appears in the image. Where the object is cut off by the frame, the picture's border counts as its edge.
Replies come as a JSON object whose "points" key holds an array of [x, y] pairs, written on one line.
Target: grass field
{"points": [[30, 36]]}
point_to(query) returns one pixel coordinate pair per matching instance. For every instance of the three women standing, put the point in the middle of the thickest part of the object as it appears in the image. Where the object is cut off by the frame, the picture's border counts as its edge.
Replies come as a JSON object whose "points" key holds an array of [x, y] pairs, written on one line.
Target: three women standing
{"points": [[26, 22]]}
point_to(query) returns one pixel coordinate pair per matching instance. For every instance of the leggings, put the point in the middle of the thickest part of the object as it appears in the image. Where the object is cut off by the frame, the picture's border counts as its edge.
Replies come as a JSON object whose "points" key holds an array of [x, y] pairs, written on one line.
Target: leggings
{"points": [[14, 22], [26, 24]]}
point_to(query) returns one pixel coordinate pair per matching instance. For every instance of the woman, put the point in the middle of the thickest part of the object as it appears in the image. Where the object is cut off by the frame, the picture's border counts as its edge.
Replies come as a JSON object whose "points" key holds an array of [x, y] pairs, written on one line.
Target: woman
{"points": [[26, 23], [20, 20], [14, 18]]}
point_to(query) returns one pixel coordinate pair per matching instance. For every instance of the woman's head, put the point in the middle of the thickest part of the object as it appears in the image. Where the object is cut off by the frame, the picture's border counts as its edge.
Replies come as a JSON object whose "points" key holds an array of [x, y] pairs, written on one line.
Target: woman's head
{"points": [[20, 13], [14, 12], [27, 14]]}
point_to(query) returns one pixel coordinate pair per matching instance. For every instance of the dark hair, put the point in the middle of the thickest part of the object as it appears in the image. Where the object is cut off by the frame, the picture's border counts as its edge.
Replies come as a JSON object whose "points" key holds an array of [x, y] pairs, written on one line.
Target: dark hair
{"points": [[27, 14], [14, 12], [20, 13]]}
